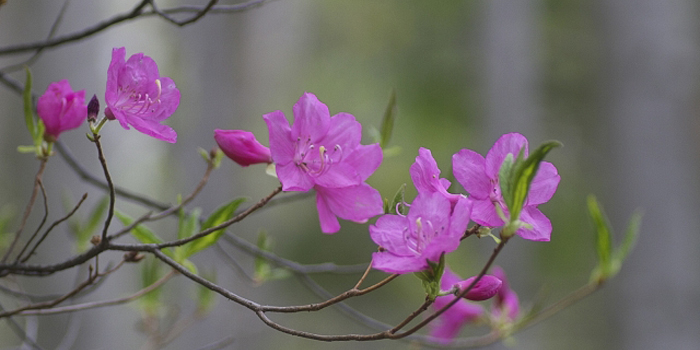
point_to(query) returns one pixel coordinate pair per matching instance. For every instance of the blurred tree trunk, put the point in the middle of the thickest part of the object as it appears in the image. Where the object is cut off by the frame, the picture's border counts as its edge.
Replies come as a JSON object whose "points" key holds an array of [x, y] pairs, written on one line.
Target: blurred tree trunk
{"points": [[513, 104], [651, 86]]}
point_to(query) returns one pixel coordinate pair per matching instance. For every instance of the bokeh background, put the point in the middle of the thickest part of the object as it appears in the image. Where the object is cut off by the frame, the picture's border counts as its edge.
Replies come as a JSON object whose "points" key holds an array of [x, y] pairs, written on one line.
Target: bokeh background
{"points": [[616, 81]]}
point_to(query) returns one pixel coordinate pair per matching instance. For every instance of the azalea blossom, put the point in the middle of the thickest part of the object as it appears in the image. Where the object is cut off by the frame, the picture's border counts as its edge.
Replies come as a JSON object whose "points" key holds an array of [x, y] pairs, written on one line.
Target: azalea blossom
{"points": [[426, 176], [479, 176], [447, 326], [138, 96], [506, 301], [61, 109], [431, 228], [242, 147], [323, 152]]}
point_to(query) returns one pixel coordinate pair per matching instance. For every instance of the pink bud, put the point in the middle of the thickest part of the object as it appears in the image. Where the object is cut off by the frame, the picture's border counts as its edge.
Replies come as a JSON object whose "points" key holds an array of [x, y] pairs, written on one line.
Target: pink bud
{"points": [[61, 109], [486, 288], [242, 147]]}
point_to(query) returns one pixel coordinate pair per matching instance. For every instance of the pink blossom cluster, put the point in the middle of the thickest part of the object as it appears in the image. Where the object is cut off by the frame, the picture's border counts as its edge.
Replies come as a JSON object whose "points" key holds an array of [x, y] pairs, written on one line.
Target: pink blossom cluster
{"points": [[317, 152], [136, 95]]}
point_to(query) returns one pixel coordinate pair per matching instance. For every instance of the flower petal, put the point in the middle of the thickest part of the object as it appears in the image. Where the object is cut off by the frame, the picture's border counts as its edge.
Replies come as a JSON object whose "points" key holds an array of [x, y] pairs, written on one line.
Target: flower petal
{"points": [[311, 118], [355, 203], [365, 159], [484, 213], [281, 142], [388, 233], [118, 61], [329, 222], [541, 226], [508, 143], [344, 131], [461, 214], [169, 100], [153, 129], [391, 263], [431, 207], [469, 170], [293, 178], [544, 184]]}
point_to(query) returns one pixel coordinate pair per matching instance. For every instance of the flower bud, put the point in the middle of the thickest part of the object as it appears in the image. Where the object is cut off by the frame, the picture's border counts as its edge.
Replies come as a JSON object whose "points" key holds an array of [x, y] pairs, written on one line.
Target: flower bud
{"points": [[61, 109], [242, 147], [93, 108], [486, 288]]}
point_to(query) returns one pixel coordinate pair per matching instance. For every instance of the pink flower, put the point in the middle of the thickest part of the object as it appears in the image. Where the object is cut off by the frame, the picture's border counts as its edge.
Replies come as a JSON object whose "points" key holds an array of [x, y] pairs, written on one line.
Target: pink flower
{"points": [[479, 176], [242, 147], [61, 109], [431, 228], [506, 301], [137, 95], [426, 176], [447, 326], [486, 288], [323, 152]]}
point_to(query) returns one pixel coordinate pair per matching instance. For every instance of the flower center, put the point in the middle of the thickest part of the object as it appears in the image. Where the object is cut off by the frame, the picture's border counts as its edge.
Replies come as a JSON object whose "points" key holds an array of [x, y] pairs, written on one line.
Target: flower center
{"points": [[420, 237], [312, 162], [133, 102]]}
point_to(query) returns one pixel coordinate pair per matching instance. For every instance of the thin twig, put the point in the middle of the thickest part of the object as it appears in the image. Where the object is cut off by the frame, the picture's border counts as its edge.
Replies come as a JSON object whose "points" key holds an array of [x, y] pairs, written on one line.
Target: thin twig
{"points": [[220, 344], [41, 224], [252, 249], [85, 175], [20, 332], [192, 19], [459, 297], [134, 13], [37, 53], [110, 185], [103, 303], [48, 304], [28, 209], [56, 223], [179, 242], [237, 266], [137, 12]]}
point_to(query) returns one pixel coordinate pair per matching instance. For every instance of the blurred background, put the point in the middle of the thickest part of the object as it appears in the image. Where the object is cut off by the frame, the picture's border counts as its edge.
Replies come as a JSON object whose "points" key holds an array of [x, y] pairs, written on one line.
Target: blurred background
{"points": [[615, 81]]}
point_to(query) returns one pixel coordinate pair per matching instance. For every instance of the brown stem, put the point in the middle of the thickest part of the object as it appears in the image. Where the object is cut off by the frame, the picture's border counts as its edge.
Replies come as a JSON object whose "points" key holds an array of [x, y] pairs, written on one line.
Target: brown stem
{"points": [[28, 209], [103, 303], [110, 185], [41, 224], [56, 223]]}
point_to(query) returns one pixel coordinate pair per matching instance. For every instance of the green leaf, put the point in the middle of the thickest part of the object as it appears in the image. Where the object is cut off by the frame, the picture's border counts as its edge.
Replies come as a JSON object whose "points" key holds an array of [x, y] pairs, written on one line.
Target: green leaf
{"points": [[203, 153], [524, 173], [189, 265], [142, 233], [603, 240], [398, 202], [629, 241], [28, 108], [26, 149], [205, 296], [220, 215], [188, 225], [39, 137], [388, 121], [505, 179], [218, 156], [431, 276], [150, 273]]}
